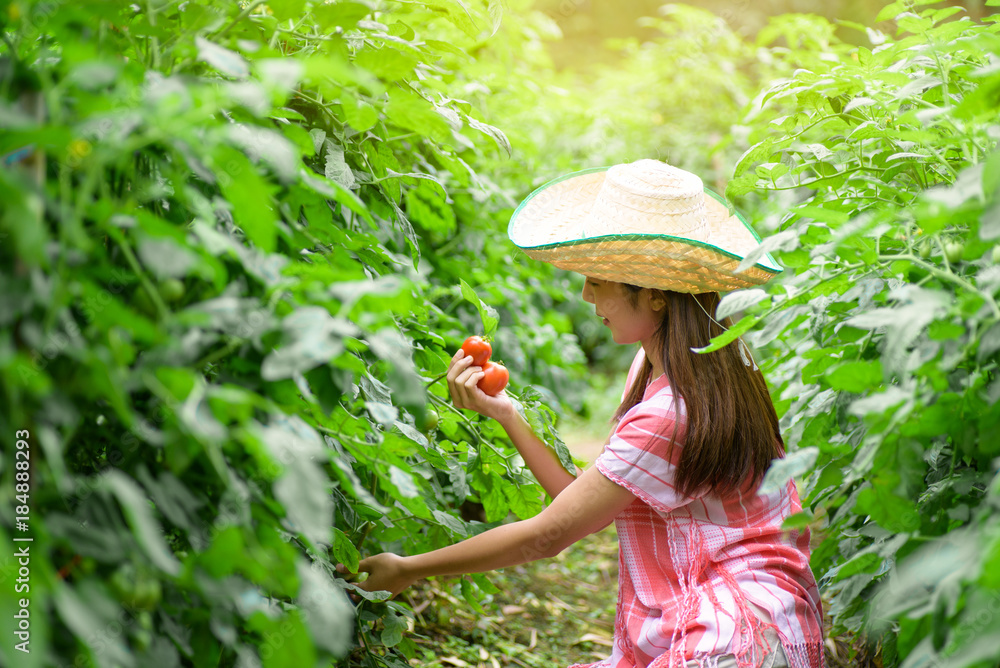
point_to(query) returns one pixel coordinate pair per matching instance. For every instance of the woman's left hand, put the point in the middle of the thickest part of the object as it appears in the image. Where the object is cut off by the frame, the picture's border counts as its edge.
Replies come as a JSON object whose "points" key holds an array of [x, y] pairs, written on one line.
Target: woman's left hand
{"points": [[386, 572]]}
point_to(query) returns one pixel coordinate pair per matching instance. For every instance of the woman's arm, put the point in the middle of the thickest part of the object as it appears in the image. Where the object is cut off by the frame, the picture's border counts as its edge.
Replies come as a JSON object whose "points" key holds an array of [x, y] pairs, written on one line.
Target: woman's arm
{"points": [[543, 462], [587, 504]]}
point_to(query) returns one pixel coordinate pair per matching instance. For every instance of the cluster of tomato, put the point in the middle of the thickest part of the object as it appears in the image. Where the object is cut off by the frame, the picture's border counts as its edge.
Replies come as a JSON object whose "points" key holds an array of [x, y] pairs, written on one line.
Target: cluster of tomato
{"points": [[495, 374]]}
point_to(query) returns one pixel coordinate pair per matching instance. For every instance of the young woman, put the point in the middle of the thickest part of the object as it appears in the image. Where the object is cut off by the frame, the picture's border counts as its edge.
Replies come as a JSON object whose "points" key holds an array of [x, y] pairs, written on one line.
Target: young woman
{"points": [[708, 577]]}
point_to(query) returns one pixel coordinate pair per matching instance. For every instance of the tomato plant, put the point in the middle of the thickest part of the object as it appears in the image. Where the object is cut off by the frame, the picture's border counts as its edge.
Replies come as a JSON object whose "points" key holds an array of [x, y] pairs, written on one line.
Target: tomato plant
{"points": [[240, 241], [880, 339]]}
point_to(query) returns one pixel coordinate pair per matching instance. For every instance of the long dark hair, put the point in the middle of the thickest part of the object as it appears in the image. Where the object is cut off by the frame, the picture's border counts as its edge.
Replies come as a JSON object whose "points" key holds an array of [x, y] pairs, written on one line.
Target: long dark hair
{"points": [[732, 428]]}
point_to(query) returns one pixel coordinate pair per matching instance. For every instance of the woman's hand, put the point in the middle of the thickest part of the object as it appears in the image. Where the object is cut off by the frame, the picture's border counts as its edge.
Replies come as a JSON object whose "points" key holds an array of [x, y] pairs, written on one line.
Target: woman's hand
{"points": [[386, 572], [462, 384]]}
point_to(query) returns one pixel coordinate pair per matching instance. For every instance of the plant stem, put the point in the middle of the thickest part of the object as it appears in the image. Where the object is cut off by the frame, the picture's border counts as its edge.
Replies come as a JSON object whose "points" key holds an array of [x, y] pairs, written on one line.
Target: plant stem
{"points": [[468, 425], [216, 355], [147, 285], [154, 42], [239, 17], [947, 276], [436, 379]]}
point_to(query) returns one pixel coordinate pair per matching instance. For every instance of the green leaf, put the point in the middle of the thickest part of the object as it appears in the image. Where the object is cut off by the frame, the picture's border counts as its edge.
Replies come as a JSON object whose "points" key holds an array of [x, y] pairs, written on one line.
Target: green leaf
{"points": [[403, 482], [737, 301], [524, 500], [496, 134], [384, 414], [450, 522], [349, 292], [222, 59], [785, 468], [379, 595], [77, 611], [458, 13], [101, 307], [541, 419], [395, 625], [311, 337], [359, 114], [411, 111], [387, 63], [340, 14], [267, 145], [249, 195], [859, 563], [889, 510], [868, 560], [471, 595], [344, 551], [941, 330], [879, 402], [856, 377], [285, 10], [296, 648], [23, 216], [147, 529], [336, 167], [729, 335], [171, 497], [303, 489], [166, 258], [487, 313], [327, 610], [493, 499], [799, 520], [411, 433], [333, 190]]}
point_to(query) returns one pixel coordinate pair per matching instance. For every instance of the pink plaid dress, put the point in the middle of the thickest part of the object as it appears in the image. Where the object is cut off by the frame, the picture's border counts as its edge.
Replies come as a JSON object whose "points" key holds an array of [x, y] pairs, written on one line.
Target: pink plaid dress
{"points": [[690, 565]]}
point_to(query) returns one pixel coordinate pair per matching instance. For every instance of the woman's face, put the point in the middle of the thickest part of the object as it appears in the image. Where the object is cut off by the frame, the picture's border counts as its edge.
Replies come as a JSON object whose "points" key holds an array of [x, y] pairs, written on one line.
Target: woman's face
{"points": [[628, 324]]}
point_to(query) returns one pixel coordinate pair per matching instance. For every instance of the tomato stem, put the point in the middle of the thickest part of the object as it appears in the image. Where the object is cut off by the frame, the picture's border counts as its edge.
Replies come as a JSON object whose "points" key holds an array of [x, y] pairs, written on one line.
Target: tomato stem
{"points": [[436, 379], [467, 423]]}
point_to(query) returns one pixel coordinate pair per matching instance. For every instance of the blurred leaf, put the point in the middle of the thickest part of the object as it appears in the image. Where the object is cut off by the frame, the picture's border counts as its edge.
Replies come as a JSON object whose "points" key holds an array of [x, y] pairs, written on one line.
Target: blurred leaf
{"points": [[734, 302], [327, 610], [487, 313], [855, 376], [403, 482], [303, 491], [784, 469], [382, 413], [311, 337], [337, 169], [222, 59], [166, 258], [147, 530]]}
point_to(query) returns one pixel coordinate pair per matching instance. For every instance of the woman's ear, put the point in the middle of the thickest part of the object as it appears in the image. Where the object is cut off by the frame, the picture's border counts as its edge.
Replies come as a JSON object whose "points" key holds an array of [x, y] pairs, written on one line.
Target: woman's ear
{"points": [[656, 301]]}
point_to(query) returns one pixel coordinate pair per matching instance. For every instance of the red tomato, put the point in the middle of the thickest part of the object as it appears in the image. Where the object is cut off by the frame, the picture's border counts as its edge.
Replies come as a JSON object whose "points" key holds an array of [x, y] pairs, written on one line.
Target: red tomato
{"points": [[495, 379], [479, 348]]}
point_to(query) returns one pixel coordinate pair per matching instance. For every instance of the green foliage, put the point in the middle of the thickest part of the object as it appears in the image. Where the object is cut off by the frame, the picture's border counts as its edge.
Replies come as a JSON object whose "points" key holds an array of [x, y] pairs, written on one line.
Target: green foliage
{"points": [[240, 244], [879, 177], [237, 260]]}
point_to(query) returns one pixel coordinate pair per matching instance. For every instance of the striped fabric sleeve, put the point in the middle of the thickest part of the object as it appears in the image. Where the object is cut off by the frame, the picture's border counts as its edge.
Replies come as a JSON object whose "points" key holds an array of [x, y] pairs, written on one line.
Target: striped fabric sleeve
{"points": [[637, 455]]}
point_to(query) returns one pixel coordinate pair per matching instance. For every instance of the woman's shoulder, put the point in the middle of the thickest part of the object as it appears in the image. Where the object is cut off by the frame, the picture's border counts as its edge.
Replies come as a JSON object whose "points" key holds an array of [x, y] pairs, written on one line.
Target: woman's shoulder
{"points": [[658, 402]]}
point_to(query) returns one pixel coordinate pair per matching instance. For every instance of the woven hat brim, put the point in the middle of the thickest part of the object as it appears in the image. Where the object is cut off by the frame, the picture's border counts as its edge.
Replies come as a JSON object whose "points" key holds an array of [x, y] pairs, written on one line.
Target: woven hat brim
{"points": [[680, 263]]}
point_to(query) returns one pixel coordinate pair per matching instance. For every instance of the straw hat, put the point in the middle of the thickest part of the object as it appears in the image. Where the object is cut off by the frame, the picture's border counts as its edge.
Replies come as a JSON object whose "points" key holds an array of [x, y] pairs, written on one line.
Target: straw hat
{"points": [[645, 223]]}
